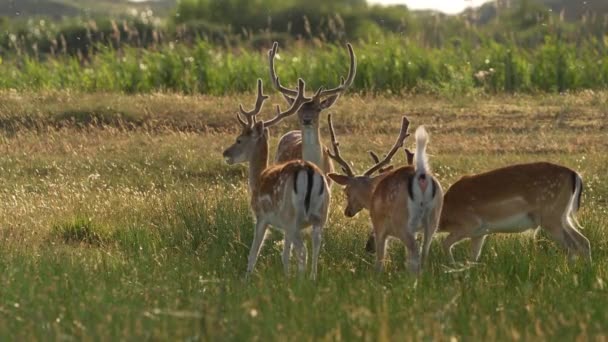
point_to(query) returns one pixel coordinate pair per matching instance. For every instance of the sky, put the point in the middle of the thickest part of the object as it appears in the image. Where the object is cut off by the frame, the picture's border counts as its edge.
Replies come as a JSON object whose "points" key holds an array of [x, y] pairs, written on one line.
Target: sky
{"points": [[446, 6]]}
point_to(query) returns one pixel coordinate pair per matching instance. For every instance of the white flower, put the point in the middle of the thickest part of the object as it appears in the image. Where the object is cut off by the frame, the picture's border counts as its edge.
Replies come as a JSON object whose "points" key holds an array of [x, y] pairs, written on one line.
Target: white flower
{"points": [[253, 313]]}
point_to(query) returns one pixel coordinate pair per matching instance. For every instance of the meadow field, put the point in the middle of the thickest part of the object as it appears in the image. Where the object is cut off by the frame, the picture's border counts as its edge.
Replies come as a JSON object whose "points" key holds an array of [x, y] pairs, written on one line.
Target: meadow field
{"points": [[120, 221]]}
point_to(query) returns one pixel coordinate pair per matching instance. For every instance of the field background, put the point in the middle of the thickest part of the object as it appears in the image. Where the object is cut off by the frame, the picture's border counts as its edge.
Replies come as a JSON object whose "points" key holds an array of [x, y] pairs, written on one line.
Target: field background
{"points": [[119, 220]]}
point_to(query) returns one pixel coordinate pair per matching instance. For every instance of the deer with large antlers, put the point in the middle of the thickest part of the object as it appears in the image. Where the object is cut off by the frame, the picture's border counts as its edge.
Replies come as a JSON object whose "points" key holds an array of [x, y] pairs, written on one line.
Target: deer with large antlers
{"points": [[306, 143], [288, 196], [400, 201], [514, 199], [359, 189]]}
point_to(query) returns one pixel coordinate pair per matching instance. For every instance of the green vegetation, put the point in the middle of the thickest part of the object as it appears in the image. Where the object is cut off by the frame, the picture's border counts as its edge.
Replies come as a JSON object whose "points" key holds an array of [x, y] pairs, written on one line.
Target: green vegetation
{"points": [[211, 47], [392, 66], [58, 9], [120, 221], [136, 229]]}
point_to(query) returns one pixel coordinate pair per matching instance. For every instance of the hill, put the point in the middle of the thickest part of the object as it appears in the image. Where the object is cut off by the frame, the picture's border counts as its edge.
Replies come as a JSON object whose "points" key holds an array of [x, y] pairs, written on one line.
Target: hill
{"points": [[575, 9], [69, 8], [571, 10]]}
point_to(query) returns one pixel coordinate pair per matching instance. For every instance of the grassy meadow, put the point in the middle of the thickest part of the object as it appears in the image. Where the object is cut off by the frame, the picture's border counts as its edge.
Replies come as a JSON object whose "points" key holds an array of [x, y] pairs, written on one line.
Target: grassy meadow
{"points": [[393, 65], [120, 221]]}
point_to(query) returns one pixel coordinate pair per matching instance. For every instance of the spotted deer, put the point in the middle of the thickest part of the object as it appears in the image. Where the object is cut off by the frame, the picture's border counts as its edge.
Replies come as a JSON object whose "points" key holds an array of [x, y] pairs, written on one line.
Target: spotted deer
{"points": [[514, 199], [359, 189], [306, 143], [289, 196], [402, 200]]}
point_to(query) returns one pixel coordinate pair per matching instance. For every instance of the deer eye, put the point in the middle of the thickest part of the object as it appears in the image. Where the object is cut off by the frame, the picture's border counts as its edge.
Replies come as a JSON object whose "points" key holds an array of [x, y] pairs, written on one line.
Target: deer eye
{"points": [[238, 141]]}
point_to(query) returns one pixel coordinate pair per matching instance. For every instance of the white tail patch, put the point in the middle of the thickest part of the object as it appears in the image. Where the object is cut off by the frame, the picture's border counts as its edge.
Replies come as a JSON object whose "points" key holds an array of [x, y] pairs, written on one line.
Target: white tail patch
{"points": [[301, 189], [422, 139], [570, 214], [309, 192], [576, 196], [319, 192]]}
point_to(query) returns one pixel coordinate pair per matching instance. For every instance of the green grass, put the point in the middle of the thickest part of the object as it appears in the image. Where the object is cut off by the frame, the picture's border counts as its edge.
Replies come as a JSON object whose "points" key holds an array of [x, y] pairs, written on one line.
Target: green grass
{"points": [[119, 231], [391, 65]]}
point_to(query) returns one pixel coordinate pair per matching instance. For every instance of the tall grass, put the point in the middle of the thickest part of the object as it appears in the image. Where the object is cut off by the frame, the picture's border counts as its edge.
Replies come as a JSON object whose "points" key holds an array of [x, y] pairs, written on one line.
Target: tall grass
{"points": [[391, 65], [142, 234], [119, 220]]}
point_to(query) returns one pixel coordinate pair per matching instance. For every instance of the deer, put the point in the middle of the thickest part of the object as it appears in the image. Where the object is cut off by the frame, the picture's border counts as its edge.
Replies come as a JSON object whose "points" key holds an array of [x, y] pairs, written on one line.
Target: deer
{"points": [[288, 196], [514, 199], [401, 201], [306, 142], [359, 189]]}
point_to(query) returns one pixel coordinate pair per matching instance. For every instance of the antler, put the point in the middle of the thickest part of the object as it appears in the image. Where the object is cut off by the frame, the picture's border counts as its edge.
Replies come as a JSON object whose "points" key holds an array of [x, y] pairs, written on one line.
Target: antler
{"points": [[398, 144], [409, 155], [250, 115], [336, 155], [352, 71], [287, 92], [273, 75], [295, 106], [377, 160]]}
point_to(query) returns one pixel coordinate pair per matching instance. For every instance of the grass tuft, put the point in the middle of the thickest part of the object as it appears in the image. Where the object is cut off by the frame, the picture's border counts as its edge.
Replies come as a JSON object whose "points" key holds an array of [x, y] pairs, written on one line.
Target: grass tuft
{"points": [[79, 230], [102, 116]]}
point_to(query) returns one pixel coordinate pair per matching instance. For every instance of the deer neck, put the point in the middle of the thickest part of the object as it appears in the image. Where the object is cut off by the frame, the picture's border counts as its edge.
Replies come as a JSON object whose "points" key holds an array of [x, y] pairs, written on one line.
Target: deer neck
{"points": [[369, 191], [311, 145], [258, 162]]}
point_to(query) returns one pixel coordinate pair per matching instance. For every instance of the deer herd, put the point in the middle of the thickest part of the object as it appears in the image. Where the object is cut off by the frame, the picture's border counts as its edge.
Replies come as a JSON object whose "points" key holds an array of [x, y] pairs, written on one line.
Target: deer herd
{"points": [[294, 192]]}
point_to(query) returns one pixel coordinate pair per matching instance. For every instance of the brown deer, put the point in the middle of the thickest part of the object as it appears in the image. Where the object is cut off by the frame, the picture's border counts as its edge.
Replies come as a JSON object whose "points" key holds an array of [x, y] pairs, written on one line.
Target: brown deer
{"points": [[288, 196], [359, 189], [306, 142], [514, 199], [402, 201]]}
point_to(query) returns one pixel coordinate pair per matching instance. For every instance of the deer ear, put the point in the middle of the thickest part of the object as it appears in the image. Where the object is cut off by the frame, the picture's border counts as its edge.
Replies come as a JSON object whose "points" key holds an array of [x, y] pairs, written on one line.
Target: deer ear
{"points": [[340, 179], [329, 101]]}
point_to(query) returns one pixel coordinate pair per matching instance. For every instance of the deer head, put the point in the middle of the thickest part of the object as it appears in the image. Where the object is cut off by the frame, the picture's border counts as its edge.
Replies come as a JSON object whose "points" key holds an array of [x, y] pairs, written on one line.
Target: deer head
{"points": [[359, 189], [255, 133], [308, 115]]}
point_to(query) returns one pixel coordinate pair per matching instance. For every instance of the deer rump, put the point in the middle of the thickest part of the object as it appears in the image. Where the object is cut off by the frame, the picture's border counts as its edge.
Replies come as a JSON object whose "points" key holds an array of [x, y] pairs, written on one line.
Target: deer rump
{"points": [[301, 195]]}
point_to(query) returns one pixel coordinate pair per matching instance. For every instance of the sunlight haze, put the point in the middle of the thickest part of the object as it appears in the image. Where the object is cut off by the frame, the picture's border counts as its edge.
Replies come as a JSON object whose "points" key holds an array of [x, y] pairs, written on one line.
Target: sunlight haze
{"points": [[446, 6]]}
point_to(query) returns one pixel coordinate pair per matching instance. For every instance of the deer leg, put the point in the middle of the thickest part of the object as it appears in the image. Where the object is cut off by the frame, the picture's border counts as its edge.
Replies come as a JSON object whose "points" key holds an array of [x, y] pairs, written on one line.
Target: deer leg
{"points": [[583, 245], [409, 240], [316, 248], [430, 228], [370, 245], [449, 242], [258, 239], [287, 242], [476, 246], [380, 251], [301, 253], [559, 233]]}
